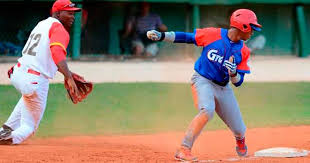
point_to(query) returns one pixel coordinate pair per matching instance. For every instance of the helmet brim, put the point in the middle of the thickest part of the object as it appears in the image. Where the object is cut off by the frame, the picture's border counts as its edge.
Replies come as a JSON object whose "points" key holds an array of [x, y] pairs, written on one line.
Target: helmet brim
{"points": [[72, 9], [256, 27]]}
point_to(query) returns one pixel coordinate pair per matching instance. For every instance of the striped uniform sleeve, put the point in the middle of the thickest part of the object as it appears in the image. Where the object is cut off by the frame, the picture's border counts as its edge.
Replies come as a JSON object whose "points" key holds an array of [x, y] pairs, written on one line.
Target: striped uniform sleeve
{"points": [[243, 66], [59, 40]]}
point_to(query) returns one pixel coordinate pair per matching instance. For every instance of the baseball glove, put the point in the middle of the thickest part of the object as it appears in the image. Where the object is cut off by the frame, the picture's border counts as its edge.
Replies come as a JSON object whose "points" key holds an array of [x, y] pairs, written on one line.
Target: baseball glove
{"points": [[83, 86]]}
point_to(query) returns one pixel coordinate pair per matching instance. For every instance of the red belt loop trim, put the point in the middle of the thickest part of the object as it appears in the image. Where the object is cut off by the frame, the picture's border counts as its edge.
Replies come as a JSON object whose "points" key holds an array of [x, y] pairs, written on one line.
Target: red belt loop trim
{"points": [[30, 71]]}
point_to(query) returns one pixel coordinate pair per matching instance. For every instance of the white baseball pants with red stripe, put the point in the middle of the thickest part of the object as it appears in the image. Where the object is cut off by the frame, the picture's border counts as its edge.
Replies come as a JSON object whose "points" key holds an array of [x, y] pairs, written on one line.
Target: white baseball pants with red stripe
{"points": [[28, 112]]}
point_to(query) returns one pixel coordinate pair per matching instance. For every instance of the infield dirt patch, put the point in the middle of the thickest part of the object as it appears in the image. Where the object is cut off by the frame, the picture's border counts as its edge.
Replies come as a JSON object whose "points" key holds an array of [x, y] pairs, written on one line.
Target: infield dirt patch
{"points": [[211, 146]]}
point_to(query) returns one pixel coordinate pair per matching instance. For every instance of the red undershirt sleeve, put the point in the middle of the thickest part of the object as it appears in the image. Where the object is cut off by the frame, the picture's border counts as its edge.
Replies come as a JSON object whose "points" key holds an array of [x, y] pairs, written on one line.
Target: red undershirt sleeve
{"points": [[58, 54], [59, 39], [205, 36]]}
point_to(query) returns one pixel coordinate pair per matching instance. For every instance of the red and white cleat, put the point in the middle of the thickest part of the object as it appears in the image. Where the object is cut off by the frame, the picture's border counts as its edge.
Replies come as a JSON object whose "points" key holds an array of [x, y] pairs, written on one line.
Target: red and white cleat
{"points": [[241, 148], [184, 154]]}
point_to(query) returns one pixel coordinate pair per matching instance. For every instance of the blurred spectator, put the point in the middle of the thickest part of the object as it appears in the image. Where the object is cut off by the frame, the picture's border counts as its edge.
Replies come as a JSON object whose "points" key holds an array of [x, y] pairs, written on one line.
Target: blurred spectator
{"points": [[22, 37], [84, 22], [14, 49], [136, 28], [10, 49]]}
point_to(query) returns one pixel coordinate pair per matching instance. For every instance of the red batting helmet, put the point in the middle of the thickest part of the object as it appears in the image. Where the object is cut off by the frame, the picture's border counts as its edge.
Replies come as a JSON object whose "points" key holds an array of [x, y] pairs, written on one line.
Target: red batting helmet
{"points": [[244, 19]]}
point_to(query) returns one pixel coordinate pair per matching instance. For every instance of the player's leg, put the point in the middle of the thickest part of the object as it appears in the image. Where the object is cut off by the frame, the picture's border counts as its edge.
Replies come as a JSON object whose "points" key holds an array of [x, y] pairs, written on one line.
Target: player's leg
{"points": [[32, 113], [229, 111], [203, 96], [34, 91], [13, 122], [17, 79], [151, 50], [14, 119], [204, 100], [137, 47]]}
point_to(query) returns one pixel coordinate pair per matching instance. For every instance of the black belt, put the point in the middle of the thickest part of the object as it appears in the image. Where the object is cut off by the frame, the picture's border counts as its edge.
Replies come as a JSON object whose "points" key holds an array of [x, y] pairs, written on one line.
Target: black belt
{"points": [[223, 84]]}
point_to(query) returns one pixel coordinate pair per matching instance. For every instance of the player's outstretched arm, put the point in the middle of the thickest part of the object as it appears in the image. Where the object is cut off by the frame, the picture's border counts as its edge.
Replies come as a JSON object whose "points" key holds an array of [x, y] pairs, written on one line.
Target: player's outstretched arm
{"points": [[175, 37]]}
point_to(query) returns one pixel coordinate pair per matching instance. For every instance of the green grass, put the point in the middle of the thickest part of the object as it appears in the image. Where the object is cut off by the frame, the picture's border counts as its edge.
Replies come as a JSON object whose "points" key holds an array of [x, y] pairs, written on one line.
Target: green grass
{"points": [[135, 108]]}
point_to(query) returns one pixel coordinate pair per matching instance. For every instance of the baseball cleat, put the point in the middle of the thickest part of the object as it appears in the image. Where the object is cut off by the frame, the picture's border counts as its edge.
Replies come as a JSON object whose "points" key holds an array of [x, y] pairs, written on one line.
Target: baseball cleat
{"points": [[5, 133], [184, 154], [241, 147], [6, 142]]}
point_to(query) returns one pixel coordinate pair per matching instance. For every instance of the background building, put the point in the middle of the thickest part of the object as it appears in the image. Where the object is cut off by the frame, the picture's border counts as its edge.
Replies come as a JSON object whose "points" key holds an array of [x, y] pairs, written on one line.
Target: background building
{"points": [[285, 24]]}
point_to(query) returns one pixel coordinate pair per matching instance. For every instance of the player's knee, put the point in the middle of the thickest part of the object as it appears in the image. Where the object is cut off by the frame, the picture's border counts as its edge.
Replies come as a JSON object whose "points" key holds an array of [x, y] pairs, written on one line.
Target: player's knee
{"points": [[138, 49], [30, 129], [207, 112]]}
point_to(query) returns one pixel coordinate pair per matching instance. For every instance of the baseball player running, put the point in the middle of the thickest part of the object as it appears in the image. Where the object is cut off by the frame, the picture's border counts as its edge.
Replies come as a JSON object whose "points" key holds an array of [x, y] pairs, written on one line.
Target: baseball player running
{"points": [[224, 58], [43, 54]]}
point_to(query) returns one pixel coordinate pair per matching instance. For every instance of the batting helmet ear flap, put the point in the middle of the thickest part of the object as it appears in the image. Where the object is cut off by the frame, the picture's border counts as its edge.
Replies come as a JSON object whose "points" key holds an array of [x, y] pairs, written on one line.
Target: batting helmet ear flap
{"points": [[246, 27]]}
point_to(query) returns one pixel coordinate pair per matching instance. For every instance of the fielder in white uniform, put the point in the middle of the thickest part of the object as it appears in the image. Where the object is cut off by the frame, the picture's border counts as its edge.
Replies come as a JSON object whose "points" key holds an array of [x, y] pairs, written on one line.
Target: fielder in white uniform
{"points": [[43, 55]]}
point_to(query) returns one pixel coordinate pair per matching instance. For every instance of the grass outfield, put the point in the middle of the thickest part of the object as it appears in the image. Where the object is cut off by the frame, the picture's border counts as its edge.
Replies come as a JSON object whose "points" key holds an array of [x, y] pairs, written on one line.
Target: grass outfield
{"points": [[117, 108]]}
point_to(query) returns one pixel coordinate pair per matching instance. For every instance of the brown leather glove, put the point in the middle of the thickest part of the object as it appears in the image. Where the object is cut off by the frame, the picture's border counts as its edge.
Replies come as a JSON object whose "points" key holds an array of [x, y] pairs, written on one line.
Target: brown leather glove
{"points": [[83, 86]]}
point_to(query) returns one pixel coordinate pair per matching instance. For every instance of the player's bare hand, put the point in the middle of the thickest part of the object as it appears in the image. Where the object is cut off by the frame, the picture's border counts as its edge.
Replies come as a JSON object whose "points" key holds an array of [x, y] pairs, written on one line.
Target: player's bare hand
{"points": [[153, 35], [73, 88], [231, 66]]}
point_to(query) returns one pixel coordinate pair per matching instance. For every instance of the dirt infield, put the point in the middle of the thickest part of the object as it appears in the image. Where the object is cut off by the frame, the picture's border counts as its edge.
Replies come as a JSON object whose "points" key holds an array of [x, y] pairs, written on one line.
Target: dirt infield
{"points": [[212, 146]]}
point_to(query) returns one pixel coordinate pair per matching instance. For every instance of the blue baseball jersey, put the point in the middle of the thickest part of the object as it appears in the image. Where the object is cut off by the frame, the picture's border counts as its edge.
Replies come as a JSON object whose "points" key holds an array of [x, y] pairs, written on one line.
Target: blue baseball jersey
{"points": [[217, 48]]}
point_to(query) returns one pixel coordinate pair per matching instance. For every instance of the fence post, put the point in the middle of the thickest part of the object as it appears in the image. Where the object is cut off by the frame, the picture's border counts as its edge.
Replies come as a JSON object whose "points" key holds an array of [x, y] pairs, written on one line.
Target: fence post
{"points": [[301, 25], [115, 23], [76, 34], [196, 24], [196, 16]]}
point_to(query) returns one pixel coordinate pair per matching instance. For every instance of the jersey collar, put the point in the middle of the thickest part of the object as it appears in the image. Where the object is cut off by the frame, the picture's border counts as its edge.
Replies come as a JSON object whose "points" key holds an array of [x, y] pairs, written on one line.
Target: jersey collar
{"points": [[224, 33]]}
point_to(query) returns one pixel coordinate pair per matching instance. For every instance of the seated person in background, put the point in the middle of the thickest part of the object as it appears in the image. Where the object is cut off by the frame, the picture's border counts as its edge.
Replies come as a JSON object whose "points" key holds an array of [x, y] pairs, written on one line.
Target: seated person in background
{"points": [[138, 26], [10, 49]]}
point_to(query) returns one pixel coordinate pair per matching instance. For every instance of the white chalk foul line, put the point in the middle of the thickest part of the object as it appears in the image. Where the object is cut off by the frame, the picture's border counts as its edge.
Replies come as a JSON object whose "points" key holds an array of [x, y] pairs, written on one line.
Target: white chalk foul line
{"points": [[233, 159]]}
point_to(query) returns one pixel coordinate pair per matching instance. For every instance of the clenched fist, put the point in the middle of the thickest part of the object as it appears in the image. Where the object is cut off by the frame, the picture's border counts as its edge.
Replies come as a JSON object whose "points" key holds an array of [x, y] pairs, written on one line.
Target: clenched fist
{"points": [[231, 66], [154, 35]]}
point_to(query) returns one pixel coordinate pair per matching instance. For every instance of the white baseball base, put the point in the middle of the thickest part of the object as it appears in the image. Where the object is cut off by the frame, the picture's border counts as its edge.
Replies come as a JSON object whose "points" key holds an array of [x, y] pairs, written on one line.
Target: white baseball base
{"points": [[281, 152]]}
